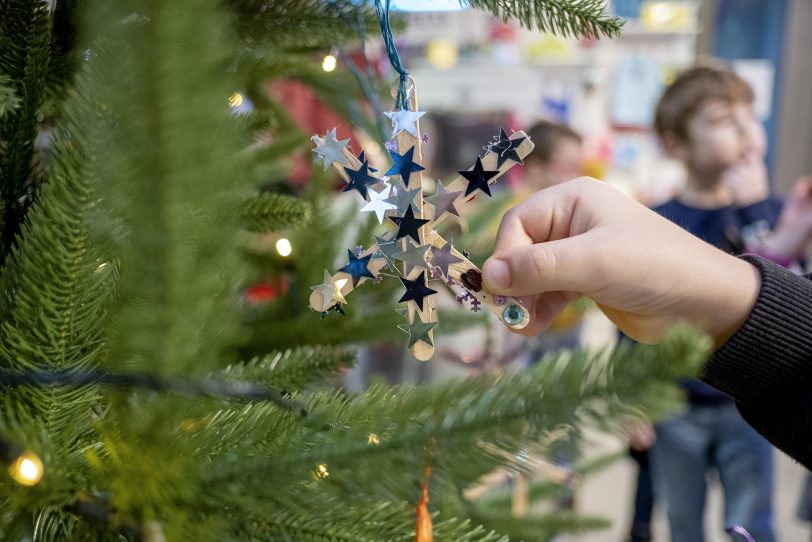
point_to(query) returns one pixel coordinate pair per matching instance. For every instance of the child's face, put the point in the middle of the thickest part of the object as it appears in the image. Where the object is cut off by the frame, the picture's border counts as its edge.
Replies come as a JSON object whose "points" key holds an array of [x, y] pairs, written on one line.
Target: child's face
{"points": [[565, 163], [721, 135]]}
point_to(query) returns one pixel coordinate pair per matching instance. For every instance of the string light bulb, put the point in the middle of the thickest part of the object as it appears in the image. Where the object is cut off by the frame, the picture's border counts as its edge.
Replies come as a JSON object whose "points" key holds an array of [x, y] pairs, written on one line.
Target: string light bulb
{"points": [[283, 247], [329, 63], [235, 100], [321, 471], [27, 469], [373, 439]]}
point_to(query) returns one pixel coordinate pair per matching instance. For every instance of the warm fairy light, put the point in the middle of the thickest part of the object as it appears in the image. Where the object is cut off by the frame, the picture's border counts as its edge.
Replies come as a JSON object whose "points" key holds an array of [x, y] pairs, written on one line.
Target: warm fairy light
{"points": [[101, 267], [235, 100], [373, 439], [284, 248], [322, 471], [27, 469], [341, 282], [329, 63]]}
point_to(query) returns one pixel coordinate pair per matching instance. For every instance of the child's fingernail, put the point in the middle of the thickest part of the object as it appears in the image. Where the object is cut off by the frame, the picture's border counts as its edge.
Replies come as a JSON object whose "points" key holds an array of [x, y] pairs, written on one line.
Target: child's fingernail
{"points": [[496, 274]]}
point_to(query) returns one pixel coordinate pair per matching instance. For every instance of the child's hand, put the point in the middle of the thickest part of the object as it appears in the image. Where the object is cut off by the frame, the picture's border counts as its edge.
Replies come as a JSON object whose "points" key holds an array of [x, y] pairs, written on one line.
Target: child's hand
{"points": [[586, 238], [747, 180], [794, 230]]}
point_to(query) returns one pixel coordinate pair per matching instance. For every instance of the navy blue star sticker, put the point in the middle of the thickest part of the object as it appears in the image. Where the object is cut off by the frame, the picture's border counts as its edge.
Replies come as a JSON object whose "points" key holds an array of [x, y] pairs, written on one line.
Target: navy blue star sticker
{"points": [[357, 268], [360, 179], [416, 290], [478, 178], [403, 165], [408, 225], [505, 148]]}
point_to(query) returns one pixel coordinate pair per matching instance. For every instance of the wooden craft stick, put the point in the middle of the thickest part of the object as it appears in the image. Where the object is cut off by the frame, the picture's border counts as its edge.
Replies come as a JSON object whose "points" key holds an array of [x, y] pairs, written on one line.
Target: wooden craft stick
{"points": [[405, 140]]}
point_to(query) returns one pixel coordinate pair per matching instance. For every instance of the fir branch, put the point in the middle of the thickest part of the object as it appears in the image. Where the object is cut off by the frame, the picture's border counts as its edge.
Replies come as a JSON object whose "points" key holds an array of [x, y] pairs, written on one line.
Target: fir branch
{"points": [[338, 522], [174, 179], [468, 419], [568, 18], [56, 287], [294, 369], [24, 58], [88, 379], [9, 101], [269, 212]]}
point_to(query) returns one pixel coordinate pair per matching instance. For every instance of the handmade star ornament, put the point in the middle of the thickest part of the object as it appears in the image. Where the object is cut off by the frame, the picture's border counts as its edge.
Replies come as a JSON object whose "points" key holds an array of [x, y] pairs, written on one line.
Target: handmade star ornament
{"points": [[418, 331], [330, 291], [404, 120], [408, 225], [478, 178], [505, 148], [330, 149], [416, 290], [412, 248], [358, 268], [378, 203], [404, 165]]}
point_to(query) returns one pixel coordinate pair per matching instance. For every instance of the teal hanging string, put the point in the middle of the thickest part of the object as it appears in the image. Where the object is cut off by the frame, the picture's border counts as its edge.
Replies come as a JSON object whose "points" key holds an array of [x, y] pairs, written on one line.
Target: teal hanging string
{"points": [[402, 99]]}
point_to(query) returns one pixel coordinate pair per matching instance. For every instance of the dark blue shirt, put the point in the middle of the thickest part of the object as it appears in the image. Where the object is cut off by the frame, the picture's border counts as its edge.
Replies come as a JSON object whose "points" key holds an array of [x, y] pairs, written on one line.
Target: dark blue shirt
{"points": [[730, 229]]}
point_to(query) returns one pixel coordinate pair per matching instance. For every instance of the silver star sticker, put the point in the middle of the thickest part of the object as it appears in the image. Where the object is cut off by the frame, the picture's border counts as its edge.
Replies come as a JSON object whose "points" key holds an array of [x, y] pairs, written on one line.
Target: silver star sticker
{"points": [[378, 203], [331, 149], [443, 201], [387, 249], [330, 291], [442, 258], [403, 198], [414, 255], [404, 120], [418, 331]]}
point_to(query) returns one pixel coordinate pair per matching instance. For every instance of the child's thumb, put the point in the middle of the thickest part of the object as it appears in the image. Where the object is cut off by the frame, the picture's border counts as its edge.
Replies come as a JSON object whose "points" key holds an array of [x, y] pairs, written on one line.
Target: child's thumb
{"points": [[534, 269]]}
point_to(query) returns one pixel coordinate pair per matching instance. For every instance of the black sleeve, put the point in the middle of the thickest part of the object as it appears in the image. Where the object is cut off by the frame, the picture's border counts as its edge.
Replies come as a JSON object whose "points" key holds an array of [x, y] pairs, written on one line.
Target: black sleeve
{"points": [[767, 365]]}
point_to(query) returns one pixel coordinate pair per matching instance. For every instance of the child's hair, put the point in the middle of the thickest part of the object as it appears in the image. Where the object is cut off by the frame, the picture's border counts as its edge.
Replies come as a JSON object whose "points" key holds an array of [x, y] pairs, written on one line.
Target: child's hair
{"points": [[692, 89], [545, 135]]}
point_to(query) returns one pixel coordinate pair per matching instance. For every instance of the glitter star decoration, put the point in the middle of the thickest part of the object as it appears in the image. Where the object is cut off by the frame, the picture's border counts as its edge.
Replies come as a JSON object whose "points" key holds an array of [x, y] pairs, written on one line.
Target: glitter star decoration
{"points": [[505, 148], [330, 149], [357, 268], [414, 255], [409, 225], [442, 257], [330, 291], [360, 179], [418, 331], [403, 198], [378, 203], [416, 290], [404, 165], [478, 178], [443, 201], [404, 120]]}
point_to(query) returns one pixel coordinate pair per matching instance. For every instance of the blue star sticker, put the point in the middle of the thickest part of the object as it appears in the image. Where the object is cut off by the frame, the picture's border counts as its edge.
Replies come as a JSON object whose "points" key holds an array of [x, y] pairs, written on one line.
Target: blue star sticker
{"points": [[403, 165], [360, 179], [478, 178], [416, 290], [357, 268]]}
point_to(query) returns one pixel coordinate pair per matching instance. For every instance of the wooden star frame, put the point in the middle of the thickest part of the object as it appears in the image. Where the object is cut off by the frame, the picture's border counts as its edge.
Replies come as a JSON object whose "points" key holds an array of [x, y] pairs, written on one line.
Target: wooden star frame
{"points": [[463, 274]]}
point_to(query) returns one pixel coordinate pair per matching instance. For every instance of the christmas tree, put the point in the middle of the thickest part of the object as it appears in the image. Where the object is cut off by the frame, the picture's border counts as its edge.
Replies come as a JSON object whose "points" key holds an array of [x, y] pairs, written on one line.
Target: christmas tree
{"points": [[127, 411]]}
